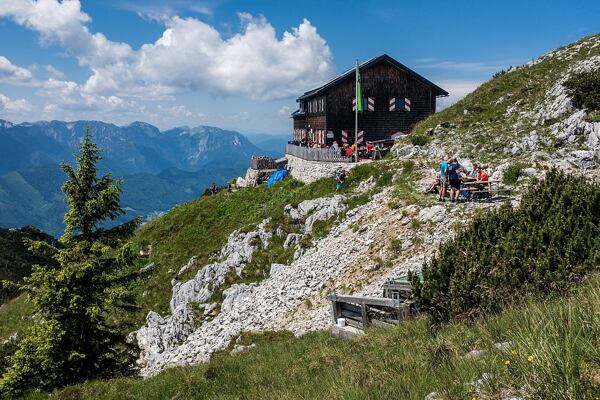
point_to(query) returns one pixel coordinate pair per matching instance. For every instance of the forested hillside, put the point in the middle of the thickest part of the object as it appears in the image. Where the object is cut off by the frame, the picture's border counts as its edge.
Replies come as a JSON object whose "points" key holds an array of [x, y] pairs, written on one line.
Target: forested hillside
{"points": [[161, 169]]}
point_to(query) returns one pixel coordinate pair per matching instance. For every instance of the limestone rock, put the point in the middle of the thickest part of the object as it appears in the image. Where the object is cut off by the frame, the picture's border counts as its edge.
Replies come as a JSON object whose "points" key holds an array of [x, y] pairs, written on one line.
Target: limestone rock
{"points": [[163, 334], [434, 214], [583, 159], [240, 349], [291, 240], [319, 209]]}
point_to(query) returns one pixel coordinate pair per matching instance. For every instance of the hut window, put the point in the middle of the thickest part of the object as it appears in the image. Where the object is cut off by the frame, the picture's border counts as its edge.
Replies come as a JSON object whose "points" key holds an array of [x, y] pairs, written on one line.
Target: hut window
{"points": [[399, 103], [368, 104]]}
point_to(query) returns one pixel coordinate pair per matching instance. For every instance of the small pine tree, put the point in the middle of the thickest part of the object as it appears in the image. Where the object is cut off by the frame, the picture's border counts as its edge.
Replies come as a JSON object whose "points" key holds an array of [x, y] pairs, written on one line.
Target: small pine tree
{"points": [[74, 339]]}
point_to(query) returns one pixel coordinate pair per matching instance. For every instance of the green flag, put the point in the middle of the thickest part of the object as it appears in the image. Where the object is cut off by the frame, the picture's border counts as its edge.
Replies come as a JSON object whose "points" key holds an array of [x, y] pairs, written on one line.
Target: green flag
{"points": [[359, 96]]}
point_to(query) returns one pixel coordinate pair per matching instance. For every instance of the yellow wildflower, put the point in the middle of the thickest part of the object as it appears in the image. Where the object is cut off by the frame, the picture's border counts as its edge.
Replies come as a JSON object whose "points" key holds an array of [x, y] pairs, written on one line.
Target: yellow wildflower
{"points": [[507, 362], [530, 358]]}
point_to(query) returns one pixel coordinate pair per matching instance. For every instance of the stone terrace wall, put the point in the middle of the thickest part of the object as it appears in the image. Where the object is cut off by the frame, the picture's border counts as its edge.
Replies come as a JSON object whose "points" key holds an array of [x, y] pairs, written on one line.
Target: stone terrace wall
{"points": [[310, 171]]}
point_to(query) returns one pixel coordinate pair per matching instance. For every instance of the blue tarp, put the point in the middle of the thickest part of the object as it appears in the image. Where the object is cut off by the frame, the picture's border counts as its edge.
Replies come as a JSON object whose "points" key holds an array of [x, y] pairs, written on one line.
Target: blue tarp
{"points": [[276, 177]]}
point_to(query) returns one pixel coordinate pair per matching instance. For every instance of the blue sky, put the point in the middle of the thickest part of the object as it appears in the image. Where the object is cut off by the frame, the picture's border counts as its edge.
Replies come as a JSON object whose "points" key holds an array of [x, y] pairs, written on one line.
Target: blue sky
{"points": [[240, 64]]}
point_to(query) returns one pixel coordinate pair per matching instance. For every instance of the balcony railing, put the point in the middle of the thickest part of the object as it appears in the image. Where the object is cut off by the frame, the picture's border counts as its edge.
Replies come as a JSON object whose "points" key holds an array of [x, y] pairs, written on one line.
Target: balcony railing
{"points": [[325, 155]]}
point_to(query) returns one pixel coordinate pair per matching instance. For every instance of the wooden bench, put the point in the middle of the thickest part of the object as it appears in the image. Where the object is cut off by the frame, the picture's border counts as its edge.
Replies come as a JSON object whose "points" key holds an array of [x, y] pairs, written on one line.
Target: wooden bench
{"points": [[360, 312]]}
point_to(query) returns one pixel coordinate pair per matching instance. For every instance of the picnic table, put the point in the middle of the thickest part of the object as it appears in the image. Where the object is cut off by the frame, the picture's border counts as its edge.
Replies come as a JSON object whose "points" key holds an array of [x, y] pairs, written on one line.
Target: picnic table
{"points": [[473, 189]]}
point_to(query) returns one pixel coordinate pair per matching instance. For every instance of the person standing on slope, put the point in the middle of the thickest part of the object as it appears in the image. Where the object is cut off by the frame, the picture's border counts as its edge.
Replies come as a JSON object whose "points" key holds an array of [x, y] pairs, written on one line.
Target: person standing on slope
{"points": [[452, 172], [443, 180]]}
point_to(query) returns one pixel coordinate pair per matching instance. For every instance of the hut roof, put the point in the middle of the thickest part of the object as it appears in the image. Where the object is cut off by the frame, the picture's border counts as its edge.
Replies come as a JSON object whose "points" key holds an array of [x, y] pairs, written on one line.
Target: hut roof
{"points": [[373, 61]]}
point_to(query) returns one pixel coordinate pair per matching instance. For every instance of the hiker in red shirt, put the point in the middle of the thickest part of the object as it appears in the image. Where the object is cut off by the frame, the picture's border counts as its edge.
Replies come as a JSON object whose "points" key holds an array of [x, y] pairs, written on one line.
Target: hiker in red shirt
{"points": [[369, 149], [482, 176]]}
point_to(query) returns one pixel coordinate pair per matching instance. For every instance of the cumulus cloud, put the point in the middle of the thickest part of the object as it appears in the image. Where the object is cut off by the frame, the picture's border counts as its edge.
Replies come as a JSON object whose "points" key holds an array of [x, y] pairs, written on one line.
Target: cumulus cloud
{"points": [[10, 73], [8, 105], [67, 95], [63, 22], [191, 55]]}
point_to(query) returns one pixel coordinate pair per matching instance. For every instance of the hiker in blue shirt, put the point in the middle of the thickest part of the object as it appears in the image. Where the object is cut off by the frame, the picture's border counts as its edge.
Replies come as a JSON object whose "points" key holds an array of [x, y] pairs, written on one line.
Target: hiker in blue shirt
{"points": [[452, 173], [443, 179]]}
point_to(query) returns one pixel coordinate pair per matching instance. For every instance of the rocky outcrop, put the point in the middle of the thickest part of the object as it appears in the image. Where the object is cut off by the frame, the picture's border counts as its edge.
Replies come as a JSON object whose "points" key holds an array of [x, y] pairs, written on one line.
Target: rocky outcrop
{"points": [[160, 335], [572, 130], [319, 209], [191, 300]]}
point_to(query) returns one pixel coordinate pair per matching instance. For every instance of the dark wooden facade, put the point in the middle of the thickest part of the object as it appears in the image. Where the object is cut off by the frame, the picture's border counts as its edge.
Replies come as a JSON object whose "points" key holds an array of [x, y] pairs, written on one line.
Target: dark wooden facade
{"points": [[327, 111]]}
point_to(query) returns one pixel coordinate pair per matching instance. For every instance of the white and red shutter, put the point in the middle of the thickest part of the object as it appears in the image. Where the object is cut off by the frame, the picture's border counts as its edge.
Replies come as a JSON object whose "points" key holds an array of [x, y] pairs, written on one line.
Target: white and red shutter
{"points": [[344, 136], [359, 137], [370, 104], [354, 104], [392, 104], [406, 104]]}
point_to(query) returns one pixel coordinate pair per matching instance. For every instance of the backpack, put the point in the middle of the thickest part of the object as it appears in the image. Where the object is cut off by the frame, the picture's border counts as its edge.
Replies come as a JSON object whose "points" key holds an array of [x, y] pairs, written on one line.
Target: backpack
{"points": [[453, 170]]}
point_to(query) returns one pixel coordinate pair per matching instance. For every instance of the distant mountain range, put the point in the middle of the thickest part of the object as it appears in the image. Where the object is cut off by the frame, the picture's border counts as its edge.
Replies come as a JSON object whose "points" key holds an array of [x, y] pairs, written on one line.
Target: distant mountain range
{"points": [[160, 168]]}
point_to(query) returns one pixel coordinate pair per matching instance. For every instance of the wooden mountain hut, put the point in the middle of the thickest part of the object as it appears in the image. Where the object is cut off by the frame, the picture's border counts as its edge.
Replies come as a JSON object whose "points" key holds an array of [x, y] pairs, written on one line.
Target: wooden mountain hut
{"points": [[395, 99]]}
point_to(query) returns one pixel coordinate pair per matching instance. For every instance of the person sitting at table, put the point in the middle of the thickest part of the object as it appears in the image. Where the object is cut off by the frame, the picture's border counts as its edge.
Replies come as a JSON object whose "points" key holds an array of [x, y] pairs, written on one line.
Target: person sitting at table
{"points": [[482, 176], [335, 146], [453, 173], [435, 185], [474, 171]]}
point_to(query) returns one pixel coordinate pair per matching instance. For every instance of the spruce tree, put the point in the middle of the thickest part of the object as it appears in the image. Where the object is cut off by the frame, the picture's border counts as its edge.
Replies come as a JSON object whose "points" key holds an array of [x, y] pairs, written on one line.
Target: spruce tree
{"points": [[73, 298]]}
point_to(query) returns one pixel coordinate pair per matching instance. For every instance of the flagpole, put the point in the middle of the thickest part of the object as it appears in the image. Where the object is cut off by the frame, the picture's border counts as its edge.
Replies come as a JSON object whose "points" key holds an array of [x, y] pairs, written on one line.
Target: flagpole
{"points": [[356, 113]]}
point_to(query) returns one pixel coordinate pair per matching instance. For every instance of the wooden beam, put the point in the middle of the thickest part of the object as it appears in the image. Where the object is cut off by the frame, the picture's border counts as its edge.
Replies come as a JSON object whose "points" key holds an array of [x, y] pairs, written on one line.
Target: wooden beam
{"points": [[381, 324], [365, 314], [371, 301], [354, 324]]}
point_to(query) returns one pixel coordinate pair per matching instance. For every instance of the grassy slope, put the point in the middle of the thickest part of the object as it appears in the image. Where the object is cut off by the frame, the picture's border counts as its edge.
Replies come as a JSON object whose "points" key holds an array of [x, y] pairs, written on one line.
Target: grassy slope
{"points": [[486, 128], [555, 353], [201, 227], [15, 317]]}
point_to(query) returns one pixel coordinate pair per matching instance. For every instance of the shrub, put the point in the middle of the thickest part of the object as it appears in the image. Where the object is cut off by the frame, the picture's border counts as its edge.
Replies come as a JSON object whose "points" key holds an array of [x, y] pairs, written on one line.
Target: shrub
{"points": [[418, 139], [396, 245], [584, 90], [551, 241], [512, 174]]}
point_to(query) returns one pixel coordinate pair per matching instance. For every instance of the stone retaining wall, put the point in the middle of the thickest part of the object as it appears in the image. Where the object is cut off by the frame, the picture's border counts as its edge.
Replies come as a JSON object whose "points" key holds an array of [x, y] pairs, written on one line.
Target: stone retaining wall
{"points": [[310, 171]]}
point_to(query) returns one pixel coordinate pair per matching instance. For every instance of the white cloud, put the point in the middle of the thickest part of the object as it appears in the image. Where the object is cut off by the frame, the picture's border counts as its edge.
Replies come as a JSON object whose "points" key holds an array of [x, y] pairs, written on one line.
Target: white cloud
{"points": [[161, 10], [190, 55], [63, 22], [10, 73], [53, 72], [67, 95], [180, 111], [457, 90], [13, 106], [284, 111]]}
